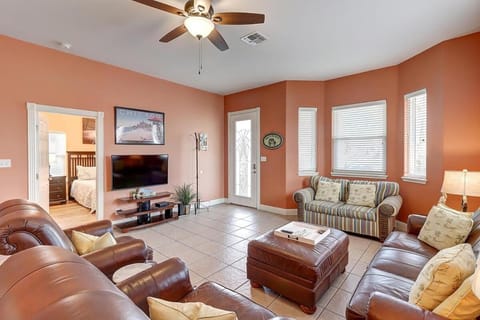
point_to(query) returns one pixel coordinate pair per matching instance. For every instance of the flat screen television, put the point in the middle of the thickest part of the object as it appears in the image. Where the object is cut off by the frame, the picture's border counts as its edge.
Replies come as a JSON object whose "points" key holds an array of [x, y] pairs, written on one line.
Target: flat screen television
{"points": [[135, 171]]}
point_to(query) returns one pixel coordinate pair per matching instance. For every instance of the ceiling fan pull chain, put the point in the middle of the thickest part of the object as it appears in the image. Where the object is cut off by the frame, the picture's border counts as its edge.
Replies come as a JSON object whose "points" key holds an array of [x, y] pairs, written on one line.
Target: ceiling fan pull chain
{"points": [[200, 57]]}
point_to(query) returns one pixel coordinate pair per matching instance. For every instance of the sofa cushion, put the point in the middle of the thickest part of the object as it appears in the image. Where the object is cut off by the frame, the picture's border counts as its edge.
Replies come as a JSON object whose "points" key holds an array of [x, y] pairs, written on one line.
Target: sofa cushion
{"points": [[409, 242], [399, 262], [328, 191], [462, 304], [342, 210], [343, 183], [160, 309], [362, 194], [445, 228], [442, 275]]}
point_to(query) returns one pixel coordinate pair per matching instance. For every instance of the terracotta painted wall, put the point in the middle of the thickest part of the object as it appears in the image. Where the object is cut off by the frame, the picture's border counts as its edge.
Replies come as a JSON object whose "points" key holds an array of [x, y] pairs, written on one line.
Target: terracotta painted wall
{"points": [[72, 127], [32, 73], [271, 101]]}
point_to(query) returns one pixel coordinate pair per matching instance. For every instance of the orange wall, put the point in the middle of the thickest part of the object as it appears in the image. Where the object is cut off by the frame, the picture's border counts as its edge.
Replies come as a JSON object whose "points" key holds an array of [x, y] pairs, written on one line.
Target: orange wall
{"points": [[32, 73], [449, 71], [72, 127], [271, 101]]}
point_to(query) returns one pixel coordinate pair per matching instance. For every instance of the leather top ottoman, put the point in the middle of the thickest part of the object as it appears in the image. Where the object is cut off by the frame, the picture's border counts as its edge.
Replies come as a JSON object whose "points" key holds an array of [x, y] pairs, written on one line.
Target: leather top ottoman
{"points": [[298, 271]]}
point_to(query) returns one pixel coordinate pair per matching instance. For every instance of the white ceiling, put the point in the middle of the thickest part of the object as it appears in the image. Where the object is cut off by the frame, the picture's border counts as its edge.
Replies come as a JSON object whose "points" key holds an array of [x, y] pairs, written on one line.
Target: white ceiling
{"points": [[307, 39]]}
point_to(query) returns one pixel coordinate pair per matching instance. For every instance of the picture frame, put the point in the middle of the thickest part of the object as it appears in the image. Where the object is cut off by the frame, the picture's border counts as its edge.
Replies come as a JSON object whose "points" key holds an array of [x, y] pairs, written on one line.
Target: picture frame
{"points": [[136, 126], [88, 131], [272, 140]]}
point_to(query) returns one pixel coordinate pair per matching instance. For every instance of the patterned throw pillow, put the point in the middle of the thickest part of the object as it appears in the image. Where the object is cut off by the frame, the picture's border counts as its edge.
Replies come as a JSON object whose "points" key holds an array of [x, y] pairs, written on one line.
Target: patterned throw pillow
{"points": [[463, 304], [328, 191], [362, 195], [445, 228], [442, 275], [160, 309]]}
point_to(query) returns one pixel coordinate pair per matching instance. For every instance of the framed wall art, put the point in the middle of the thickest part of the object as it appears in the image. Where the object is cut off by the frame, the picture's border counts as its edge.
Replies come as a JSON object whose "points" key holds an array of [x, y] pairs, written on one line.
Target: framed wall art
{"points": [[88, 131], [134, 126]]}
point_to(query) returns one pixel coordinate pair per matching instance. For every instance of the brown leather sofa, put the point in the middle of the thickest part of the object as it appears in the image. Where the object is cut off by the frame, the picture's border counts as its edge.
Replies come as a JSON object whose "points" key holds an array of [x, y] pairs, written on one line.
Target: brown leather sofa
{"points": [[24, 224], [383, 291], [47, 282]]}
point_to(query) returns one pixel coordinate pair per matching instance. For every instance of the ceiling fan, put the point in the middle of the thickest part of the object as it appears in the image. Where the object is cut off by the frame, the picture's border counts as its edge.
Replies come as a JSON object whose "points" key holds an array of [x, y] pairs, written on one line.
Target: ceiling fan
{"points": [[201, 19]]}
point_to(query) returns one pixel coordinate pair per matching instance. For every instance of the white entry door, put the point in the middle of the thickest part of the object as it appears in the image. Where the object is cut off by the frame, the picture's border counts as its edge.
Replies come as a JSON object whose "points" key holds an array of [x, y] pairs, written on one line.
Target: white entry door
{"points": [[243, 137]]}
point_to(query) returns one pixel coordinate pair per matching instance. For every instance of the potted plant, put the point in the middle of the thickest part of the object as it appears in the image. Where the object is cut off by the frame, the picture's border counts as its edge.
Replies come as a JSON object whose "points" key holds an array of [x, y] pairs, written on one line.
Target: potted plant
{"points": [[185, 195]]}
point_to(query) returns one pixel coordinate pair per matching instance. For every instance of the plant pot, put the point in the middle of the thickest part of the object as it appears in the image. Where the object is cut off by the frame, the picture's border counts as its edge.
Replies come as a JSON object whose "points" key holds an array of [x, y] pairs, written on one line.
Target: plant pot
{"points": [[186, 209]]}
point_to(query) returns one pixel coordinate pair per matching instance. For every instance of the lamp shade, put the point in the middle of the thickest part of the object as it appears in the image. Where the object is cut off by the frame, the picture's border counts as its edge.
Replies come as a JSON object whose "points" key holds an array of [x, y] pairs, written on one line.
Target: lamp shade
{"points": [[199, 27], [461, 183]]}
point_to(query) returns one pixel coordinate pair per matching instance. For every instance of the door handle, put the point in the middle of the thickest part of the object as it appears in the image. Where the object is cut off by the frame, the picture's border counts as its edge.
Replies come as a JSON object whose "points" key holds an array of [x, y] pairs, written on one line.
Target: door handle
{"points": [[254, 168]]}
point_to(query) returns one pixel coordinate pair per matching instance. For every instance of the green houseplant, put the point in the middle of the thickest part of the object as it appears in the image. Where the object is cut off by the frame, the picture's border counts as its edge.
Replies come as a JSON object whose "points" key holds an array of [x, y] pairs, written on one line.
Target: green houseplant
{"points": [[185, 195]]}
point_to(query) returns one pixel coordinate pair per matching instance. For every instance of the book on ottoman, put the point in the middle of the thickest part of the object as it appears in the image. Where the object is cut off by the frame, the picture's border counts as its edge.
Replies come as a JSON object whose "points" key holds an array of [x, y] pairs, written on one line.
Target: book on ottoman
{"points": [[303, 232]]}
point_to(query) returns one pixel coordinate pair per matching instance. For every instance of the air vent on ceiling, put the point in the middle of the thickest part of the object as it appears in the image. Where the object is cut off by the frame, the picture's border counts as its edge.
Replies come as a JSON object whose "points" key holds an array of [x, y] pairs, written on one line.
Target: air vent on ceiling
{"points": [[254, 38]]}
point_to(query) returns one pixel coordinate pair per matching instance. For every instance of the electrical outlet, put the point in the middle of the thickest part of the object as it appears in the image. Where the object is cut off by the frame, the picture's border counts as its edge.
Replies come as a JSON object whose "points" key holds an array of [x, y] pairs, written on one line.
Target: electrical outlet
{"points": [[5, 163]]}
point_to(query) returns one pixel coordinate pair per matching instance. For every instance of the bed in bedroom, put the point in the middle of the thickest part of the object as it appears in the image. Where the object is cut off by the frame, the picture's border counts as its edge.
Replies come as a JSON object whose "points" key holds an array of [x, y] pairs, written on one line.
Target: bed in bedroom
{"points": [[82, 182]]}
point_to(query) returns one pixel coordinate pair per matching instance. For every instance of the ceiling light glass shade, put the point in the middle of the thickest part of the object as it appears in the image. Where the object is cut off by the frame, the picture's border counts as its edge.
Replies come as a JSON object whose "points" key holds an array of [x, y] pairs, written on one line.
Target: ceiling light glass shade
{"points": [[199, 27]]}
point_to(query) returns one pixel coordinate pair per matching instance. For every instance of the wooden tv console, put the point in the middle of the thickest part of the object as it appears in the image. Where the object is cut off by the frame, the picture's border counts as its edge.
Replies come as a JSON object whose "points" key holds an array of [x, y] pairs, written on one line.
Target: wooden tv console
{"points": [[147, 213]]}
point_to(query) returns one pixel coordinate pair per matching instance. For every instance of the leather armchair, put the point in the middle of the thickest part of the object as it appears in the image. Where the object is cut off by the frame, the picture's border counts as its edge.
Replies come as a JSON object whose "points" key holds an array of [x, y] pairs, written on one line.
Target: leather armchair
{"points": [[24, 224]]}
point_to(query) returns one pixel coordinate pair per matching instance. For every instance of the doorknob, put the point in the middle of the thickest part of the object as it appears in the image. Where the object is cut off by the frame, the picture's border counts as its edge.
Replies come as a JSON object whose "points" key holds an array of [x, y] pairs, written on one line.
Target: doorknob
{"points": [[254, 168]]}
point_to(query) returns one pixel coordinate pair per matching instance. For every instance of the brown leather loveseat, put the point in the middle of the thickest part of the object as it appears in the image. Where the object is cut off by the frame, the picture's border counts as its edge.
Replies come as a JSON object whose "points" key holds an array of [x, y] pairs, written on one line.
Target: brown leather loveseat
{"points": [[47, 282], [383, 291]]}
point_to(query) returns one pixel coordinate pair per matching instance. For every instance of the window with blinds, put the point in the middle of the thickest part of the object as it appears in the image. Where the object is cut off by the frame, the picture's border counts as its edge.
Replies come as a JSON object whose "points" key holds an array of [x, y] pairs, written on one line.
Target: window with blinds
{"points": [[415, 152], [307, 141], [359, 140]]}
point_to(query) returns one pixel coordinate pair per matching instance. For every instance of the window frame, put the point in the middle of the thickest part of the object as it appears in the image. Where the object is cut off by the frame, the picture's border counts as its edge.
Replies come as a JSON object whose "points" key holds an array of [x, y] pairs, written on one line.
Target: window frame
{"points": [[407, 175], [302, 172], [361, 173]]}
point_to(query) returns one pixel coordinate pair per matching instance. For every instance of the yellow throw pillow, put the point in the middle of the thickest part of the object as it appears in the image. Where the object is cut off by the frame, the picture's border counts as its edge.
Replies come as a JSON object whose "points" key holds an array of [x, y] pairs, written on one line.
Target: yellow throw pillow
{"points": [[442, 275], [328, 191], [461, 305], [445, 228], [85, 243], [162, 310], [362, 194]]}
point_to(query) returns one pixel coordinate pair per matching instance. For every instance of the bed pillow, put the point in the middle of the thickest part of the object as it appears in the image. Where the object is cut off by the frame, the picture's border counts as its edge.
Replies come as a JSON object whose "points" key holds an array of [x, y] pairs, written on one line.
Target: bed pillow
{"points": [[86, 243], [445, 228], [442, 275], [160, 309], [328, 191], [362, 194], [86, 173]]}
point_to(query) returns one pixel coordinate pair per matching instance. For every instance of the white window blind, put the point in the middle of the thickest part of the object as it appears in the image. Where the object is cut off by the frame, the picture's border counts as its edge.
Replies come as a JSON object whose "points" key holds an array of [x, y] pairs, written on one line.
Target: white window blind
{"points": [[359, 139], [307, 141], [415, 164]]}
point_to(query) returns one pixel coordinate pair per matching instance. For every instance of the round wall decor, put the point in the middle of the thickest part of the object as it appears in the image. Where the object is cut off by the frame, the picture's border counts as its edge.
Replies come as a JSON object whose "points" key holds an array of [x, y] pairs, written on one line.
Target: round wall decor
{"points": [[272, 140]]}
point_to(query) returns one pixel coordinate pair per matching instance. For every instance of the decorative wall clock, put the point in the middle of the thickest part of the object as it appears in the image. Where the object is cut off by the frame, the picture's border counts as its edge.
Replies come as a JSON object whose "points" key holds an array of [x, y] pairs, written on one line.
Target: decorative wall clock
{"points": [[272, 140]]}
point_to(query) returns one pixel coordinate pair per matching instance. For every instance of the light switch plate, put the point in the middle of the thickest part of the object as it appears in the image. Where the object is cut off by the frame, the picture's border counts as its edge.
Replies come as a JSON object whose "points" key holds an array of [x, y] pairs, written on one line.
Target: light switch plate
{"points": [[5, 163], [263, 159]]}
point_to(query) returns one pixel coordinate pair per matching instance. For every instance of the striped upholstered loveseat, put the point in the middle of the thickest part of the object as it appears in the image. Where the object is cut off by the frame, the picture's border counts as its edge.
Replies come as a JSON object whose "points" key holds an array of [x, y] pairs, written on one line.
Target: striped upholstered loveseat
{"points": [[377, 221]]}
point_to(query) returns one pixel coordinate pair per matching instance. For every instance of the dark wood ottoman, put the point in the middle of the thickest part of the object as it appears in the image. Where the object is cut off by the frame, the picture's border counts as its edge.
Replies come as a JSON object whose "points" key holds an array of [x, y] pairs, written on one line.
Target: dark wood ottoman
{"points": [[298, 271]]}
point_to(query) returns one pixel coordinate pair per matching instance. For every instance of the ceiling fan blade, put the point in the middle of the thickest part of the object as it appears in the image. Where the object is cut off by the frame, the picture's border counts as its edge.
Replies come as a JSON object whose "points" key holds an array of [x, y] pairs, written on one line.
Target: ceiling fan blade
{"points": [[177, 32], [162, 6], [202, 5], [238, 18], [216, 38]]}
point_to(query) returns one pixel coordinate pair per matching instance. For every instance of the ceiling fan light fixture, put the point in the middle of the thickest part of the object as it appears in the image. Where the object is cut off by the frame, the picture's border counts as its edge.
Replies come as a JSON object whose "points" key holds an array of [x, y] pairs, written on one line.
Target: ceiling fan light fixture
{"points": [[199, 27]]}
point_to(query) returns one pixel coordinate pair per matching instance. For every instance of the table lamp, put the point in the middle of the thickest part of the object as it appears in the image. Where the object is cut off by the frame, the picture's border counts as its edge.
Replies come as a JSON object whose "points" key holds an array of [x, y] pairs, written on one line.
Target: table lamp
{"points": [[464, 183]]}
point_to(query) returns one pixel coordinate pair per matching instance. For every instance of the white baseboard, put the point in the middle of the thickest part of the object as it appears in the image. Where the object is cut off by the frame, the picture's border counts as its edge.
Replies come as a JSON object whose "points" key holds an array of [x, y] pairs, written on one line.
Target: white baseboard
{"points": [[281, 211], [213, 202], [400, 226]]}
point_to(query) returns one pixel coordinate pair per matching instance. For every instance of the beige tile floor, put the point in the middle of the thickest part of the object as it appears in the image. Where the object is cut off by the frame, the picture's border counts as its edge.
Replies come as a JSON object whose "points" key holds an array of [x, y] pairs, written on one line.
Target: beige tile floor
{"points": [[213, 244]]}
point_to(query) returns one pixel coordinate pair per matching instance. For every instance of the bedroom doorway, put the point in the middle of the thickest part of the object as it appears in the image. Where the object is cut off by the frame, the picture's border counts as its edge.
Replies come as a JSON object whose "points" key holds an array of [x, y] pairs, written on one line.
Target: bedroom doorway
{"points": [[53, 165]]}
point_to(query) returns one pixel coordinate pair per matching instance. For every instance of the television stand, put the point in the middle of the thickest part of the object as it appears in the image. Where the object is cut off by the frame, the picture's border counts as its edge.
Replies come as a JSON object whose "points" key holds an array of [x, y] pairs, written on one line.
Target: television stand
{"points": [[148, 213]]}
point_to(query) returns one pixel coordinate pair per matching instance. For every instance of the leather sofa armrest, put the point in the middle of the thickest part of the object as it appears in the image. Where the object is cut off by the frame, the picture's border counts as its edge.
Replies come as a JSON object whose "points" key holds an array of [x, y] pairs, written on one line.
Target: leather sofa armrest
{"points": [[302, 197], [390, 206], [382, 306], [110, 259], [96, 228], [167, 280], [415, 223]]}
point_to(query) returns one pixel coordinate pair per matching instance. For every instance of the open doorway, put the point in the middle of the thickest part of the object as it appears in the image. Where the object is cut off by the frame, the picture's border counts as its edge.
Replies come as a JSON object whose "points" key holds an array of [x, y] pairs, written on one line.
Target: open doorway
{"points": [[63, 147]]}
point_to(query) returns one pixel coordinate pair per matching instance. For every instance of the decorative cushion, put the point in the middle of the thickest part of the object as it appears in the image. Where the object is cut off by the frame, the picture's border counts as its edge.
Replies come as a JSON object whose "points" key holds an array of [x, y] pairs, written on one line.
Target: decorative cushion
{"points": [[362, 194], [442, 275], [463, 304], [328, 191], [85, 243], [86, 173], [162, 309], [343, 185], [445, 228]]}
